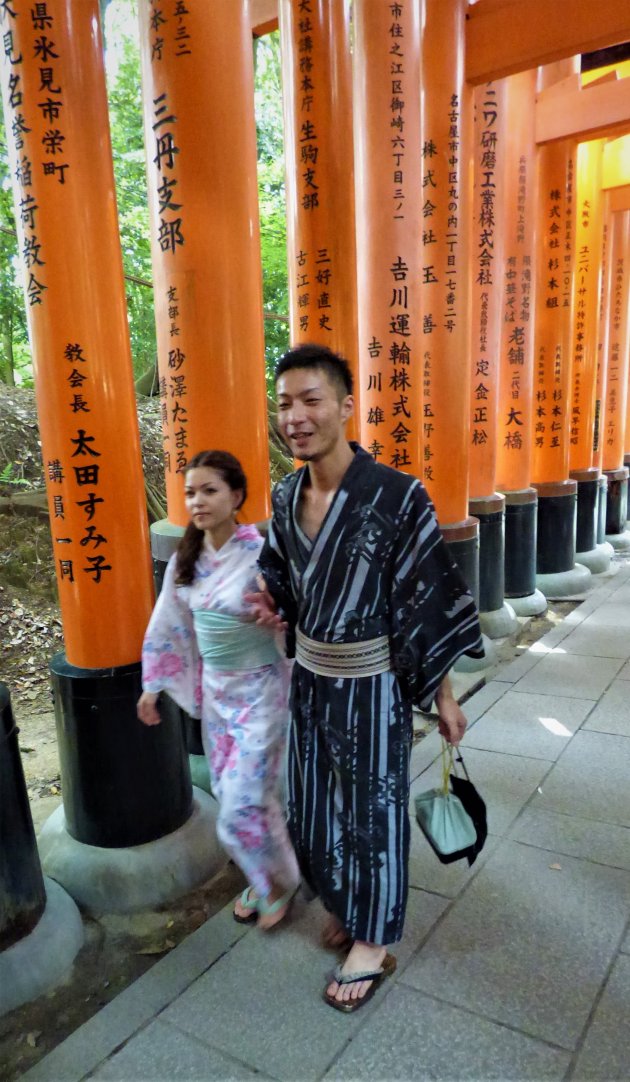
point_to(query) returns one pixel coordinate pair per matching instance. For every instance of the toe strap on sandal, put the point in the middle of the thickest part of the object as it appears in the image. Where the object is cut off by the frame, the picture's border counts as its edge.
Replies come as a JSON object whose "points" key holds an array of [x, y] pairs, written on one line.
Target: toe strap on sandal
{"points": [[361, 975]]}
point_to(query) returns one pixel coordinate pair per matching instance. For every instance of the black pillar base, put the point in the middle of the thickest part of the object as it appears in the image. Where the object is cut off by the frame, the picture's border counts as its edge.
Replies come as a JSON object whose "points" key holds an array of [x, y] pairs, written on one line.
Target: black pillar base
{"points": [[462, 539], [22, 891], [587, 500], [491, 515], [557, 519], [602, 507], [520, 542], [123, 783], [617, 502]]}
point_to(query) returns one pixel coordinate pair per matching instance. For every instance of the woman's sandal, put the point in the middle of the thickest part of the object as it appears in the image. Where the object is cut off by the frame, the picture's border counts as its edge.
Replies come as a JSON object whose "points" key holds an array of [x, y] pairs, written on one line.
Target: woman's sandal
{"points": [[268, 909], [247, 902], [377, 976]]}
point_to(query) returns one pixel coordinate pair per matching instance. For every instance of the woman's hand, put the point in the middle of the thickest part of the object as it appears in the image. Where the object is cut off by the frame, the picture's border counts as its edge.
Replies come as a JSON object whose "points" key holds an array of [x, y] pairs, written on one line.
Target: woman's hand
{"points": [[264, 608], [147, 708]]}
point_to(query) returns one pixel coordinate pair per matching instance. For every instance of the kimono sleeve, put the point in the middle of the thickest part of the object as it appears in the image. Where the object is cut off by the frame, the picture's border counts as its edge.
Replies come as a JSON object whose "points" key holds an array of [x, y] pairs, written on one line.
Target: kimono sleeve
{"points": [[170, 657], [434, 617], [274, 566]]}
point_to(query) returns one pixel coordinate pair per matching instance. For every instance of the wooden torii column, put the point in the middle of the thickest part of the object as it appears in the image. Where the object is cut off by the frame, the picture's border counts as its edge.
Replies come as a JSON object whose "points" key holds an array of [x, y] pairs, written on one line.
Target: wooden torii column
{"points": [[321, 249], [387, 157], [516, 364], [123, 784], [447, 113], [587, 285], [557, 572], [488, 506]]}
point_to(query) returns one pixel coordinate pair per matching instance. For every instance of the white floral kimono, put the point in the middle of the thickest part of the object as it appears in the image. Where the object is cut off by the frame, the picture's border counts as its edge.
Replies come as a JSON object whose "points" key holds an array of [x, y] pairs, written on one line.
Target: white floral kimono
{"points": [[244, 712]]}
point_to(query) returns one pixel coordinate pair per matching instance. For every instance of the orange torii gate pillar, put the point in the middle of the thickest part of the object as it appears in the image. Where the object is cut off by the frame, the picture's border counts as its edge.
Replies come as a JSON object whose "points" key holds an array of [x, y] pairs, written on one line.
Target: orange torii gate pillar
{"points": [[557, 572], [585, 328], [447, 114], [123, 784], [321, 249], [497, 618], [515, 421], [200, 135], [613, 431]]}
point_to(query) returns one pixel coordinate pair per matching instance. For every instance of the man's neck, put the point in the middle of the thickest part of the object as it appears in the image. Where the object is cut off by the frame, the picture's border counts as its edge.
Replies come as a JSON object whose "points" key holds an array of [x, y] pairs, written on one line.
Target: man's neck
{"points": [[326, 473]]}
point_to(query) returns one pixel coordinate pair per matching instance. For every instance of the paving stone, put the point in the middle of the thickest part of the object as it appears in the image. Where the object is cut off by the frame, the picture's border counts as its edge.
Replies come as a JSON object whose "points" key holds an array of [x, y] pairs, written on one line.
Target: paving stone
{"points": [[606, 1050], [591, 780], [598, 640], [570, 674], [428, 873], [162, 1053], [614, 612], [411, 1036], [482, 700], [521, 665], [527, 945], [624, 673], [603, 843], [538, 726], [612, 713], [128, 1012], [506, 782], [94, 1041], [275, 982]]}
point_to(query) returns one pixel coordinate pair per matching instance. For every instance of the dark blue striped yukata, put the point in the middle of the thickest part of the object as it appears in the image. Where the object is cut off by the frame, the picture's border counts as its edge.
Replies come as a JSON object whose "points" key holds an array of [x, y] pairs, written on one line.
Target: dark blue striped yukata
{"points": [[378, 566]]}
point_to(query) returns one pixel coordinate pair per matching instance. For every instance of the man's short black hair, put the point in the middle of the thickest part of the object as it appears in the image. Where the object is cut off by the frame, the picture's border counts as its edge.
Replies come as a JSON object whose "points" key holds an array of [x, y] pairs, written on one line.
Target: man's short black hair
{"points": [[311, 355]]}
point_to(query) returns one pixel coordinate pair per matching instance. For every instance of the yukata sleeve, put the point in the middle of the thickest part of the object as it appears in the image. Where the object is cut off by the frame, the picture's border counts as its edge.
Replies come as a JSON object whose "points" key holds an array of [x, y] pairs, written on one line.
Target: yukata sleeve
{"points": [[434, 617], [274, 566], [170, 656]]}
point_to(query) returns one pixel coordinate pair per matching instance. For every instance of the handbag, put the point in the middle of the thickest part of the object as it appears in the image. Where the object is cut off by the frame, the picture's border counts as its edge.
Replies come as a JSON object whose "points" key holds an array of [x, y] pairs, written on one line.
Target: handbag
{"points": [[453, 818]]}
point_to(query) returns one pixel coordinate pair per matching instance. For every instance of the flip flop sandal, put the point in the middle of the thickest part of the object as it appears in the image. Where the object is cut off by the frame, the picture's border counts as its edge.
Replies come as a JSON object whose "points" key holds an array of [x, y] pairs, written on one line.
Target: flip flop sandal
{"points": [[267, 909], [248, 903], [377, 976]]}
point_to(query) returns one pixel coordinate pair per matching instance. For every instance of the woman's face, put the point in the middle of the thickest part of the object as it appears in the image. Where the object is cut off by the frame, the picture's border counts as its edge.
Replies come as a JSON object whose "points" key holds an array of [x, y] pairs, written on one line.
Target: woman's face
{"points": [[210, 502]]}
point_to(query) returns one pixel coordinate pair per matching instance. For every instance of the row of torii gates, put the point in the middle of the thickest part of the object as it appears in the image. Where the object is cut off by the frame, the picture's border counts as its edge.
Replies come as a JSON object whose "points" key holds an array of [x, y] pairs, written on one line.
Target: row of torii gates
{"points": [[458, 200]]}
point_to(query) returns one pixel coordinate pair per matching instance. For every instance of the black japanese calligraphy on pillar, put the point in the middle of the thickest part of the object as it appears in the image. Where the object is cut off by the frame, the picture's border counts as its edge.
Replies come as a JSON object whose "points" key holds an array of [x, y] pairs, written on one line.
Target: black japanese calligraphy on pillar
{"points": [[392, 411], [79, 473], [170, 233], [614, 392], [169, 28], [485, 195], [583, 286], [45, 115], [174, 394]]}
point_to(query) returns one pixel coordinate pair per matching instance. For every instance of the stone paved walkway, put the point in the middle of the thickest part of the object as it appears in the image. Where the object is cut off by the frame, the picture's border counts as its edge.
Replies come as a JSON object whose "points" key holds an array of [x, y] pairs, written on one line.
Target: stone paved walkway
{"points": [[518, 968]]}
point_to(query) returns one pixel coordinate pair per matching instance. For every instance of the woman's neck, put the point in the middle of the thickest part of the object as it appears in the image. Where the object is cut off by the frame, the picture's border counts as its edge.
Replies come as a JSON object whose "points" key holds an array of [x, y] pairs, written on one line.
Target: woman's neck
{"points": [[216, 539]]}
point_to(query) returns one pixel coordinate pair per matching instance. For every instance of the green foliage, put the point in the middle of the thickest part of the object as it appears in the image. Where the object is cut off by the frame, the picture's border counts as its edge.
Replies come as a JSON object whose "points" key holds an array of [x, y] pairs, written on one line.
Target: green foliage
{"points": [[125, 117], [273, 233], [15, 357]]}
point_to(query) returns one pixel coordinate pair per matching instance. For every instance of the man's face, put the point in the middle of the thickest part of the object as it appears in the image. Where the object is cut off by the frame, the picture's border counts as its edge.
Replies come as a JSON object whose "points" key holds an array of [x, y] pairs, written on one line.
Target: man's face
{"points": [[311, 415]]}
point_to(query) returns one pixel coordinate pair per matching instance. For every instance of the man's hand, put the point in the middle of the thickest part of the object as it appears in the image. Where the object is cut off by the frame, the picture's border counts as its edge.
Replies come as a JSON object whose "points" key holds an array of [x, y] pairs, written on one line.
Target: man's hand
{"points": [[147, 708], [264, 608], [452, 720]]}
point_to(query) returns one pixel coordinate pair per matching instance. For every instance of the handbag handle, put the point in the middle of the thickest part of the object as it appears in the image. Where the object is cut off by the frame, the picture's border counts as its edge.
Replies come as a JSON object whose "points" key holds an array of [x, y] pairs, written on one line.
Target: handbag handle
{"points": [[449, 763]]}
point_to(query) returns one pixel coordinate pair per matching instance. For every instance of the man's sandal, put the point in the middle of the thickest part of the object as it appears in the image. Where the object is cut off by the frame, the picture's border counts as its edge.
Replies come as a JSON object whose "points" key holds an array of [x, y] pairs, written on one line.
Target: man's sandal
{"points": [[249, 903], [377, 976]]}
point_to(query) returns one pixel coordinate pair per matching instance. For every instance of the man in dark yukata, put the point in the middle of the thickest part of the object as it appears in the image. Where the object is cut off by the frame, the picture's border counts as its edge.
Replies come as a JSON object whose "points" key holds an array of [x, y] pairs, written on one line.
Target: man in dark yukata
{"points": [[376, 613]]}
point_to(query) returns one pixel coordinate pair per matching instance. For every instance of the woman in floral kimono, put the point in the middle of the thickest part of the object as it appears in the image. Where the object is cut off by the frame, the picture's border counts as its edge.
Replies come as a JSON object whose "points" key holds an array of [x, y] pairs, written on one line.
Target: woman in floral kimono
{"points": [[203, 647]]}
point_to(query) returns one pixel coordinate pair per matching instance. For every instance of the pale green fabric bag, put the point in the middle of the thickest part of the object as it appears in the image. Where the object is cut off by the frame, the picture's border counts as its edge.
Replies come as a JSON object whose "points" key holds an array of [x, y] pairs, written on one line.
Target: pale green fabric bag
{"points": [[443, 818]]}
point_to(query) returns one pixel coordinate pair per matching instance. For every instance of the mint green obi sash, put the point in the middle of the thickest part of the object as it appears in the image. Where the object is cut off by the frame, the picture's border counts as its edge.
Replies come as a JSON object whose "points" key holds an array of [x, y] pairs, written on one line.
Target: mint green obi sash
{"points": [[226, 642]]}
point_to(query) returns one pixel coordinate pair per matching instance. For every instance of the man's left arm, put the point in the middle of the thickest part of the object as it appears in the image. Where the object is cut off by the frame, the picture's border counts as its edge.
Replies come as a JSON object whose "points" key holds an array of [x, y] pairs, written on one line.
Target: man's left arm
{"points": [[452, 720]]}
